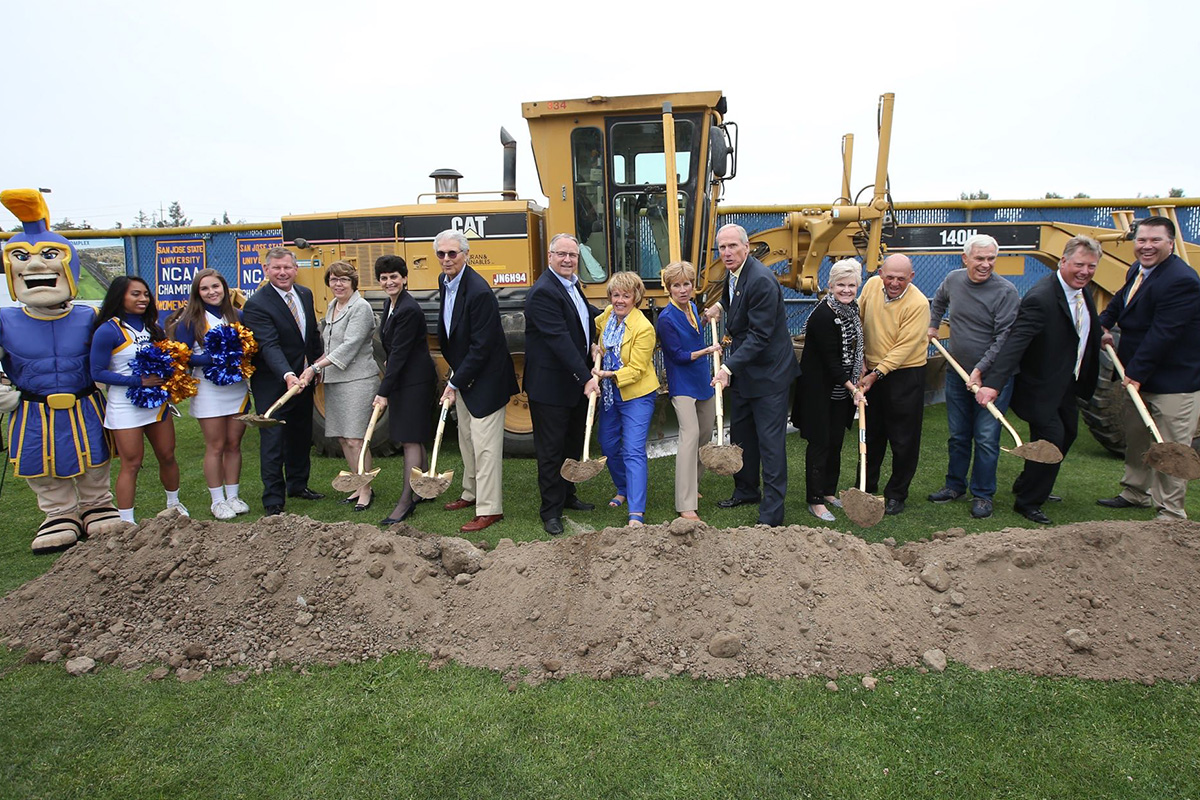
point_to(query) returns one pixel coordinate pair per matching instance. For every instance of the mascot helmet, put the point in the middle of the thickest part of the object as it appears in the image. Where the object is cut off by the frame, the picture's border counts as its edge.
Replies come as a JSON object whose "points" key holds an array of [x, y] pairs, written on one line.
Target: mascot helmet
{"points": [[29, 206]]}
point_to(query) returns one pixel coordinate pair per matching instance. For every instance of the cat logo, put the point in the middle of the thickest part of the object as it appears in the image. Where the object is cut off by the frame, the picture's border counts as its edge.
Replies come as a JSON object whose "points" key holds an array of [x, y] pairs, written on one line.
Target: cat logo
{"points": [[471, 227]]}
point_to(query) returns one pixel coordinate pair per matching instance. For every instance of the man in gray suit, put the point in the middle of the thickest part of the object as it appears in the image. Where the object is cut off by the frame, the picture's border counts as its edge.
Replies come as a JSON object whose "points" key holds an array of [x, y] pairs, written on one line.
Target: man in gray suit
{"points": [[759, 368]]}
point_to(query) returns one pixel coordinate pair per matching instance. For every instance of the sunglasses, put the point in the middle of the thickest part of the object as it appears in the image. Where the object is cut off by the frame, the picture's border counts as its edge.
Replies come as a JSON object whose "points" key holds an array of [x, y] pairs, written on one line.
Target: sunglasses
{"points": [[447, 253]]}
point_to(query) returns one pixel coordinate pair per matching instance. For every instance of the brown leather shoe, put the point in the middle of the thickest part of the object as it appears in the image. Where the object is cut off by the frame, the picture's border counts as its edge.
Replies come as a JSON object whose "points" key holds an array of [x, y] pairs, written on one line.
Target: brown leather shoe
{"points": [[479, 523], [458, 505]]}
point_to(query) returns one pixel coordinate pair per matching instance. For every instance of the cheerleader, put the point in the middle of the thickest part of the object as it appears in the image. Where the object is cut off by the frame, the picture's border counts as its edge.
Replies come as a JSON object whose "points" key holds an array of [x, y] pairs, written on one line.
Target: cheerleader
{"points": [[215, 407], [128, 320]]}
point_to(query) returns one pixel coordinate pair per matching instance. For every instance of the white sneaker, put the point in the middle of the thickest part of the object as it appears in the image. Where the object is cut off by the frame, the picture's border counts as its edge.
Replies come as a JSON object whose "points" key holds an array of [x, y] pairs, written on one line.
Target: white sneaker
{"points": [[238, 505], [222, 510], [181, 508]]}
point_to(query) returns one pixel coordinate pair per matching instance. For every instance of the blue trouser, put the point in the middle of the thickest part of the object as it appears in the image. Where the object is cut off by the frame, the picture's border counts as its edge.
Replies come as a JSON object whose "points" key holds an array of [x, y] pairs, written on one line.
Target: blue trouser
{"points": [[623, 432], [969, 422]]}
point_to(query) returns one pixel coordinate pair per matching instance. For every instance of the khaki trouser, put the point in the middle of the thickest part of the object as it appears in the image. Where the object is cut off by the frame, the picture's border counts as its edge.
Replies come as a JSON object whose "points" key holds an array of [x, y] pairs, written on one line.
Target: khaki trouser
{"points": [[1175, 415], [481, 441], [67, 496], [695, 430]]}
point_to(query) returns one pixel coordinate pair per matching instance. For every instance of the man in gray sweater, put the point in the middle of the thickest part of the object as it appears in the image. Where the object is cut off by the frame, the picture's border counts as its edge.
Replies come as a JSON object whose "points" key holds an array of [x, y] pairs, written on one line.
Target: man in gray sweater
{"points": [[982, 308]]}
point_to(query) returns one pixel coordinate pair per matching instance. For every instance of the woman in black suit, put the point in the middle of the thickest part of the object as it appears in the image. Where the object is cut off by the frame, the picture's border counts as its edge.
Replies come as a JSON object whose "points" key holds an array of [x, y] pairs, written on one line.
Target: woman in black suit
{"points": [[409, 377], [827, 391]]}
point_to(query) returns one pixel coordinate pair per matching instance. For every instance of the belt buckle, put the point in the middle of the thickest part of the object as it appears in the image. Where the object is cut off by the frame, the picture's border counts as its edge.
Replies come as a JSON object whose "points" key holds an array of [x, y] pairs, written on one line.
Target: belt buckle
{"points": [[60, 400]]}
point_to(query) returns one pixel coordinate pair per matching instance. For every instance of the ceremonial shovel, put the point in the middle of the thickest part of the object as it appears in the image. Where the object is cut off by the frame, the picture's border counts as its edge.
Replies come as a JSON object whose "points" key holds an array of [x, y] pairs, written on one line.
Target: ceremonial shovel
{"points": [[1040, 450], [353, 481], [429, 484], [863, 509], [265, 420], [580, 471], [721, 458], [1170, 458]]}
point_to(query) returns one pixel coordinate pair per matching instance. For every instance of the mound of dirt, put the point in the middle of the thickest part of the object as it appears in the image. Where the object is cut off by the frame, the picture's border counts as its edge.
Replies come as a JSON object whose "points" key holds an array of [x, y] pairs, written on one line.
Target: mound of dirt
{"points": [[1098, 600]]}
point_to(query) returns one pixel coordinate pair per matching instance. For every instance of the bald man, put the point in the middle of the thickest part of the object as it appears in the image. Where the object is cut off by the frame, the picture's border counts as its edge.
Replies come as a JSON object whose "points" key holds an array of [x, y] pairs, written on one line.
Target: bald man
{"points": [[895, 318]]}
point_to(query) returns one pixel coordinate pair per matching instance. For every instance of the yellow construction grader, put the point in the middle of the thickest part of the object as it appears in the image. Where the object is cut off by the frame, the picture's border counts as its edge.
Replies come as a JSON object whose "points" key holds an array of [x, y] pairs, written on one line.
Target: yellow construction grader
{"points": [[638, 180]]}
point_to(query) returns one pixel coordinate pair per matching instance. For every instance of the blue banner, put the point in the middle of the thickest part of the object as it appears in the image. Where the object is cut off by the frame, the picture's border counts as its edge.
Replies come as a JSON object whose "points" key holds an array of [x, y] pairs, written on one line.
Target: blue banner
{"points": [[176, 262], [249, 261]]}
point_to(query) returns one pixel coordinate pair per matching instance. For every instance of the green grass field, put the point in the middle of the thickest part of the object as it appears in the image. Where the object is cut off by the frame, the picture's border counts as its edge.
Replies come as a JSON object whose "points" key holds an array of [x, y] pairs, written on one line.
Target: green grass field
{"points": [[396, 729]]}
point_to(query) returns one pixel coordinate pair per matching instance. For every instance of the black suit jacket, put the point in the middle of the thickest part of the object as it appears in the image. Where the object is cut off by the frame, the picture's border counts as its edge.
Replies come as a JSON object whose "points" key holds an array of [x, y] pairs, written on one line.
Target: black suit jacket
{"points": [[1160, 328], [761, 357], [406, 345], [476, 348], [1041, 348], [556, 347], [281, 348]]}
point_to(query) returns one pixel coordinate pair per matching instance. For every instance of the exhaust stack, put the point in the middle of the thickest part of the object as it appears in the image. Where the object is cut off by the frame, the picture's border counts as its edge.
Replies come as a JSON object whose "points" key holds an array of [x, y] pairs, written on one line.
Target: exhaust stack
{"points": [[445, 184], [509, 192]]}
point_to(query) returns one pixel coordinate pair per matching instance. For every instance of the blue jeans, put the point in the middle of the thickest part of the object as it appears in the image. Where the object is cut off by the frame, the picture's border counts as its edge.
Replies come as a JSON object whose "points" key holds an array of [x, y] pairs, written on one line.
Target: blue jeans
{"points": [[623, 432], [970, 421]]}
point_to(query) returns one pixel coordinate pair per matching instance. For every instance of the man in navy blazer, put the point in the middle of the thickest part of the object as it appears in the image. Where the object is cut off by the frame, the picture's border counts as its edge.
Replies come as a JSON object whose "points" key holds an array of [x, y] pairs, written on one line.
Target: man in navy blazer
{"points": [[559, 332], [1053, 349], [284, 322], [482, 381], [1158, 314], [759, 368]]}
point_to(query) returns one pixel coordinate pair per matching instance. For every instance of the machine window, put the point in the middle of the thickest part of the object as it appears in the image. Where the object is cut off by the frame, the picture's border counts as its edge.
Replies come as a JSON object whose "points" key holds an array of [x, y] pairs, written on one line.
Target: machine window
{"points": [[587, 158]]}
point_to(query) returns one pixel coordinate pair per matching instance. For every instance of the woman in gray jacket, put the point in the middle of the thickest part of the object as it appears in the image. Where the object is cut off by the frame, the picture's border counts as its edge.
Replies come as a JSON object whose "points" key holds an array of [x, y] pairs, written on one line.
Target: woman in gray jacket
{"points": [[348, 370]]}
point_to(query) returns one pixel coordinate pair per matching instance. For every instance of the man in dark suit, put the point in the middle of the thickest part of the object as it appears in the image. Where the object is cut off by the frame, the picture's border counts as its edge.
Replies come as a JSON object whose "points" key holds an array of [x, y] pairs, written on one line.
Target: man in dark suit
{"points": [[284, 324], [1158, 314], [1053, 347], [559, 332], [758, 371], [483, 379]]}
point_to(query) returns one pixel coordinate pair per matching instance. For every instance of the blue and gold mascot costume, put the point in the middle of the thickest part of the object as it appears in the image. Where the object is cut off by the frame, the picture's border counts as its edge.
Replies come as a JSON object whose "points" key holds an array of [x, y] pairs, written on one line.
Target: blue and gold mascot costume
{"points": [[56, 434]]}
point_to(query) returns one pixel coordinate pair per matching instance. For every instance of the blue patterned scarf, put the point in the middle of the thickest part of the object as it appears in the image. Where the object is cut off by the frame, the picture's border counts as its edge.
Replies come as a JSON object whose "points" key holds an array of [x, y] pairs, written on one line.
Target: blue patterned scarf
{"points": [[614, 332]]}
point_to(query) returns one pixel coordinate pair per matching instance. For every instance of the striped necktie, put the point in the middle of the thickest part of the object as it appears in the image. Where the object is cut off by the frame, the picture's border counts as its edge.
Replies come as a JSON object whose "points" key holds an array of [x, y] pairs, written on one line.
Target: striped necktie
{"points": [[1079, 331], [291, 304]]}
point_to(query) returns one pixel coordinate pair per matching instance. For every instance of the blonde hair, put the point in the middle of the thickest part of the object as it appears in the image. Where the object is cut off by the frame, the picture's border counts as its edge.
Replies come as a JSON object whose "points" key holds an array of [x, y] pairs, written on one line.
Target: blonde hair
{"points": [[678, 272], [627, 282]]}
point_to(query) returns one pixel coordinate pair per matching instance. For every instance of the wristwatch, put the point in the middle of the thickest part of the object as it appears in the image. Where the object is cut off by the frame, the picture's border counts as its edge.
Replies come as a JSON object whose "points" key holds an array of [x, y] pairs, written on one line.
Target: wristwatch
{"points": [[317, 369], [878, 374]]}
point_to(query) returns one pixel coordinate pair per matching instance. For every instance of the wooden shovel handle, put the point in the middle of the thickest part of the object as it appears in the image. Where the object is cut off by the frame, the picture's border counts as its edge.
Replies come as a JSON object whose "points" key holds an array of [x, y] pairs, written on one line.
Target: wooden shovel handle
{"points": [[362, 455], [288, 395], [591, 413], [991, 407], [862, 445], [1134, 394], [720, 397], [437, 439]]}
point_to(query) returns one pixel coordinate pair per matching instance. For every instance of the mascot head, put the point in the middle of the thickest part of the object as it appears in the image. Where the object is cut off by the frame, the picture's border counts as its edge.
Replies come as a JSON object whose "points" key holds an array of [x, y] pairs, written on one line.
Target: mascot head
{"points": [[42, 267]]}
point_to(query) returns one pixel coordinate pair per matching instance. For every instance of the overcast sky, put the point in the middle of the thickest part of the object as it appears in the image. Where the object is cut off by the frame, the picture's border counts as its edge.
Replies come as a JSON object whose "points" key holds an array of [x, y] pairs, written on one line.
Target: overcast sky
{"points": [[261, 109]]}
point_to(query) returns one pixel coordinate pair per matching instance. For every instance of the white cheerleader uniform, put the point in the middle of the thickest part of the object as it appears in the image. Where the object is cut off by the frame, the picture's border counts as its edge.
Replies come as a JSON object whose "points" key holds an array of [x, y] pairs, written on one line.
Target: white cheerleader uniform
{"points": [[122, 413], [212, 400]]}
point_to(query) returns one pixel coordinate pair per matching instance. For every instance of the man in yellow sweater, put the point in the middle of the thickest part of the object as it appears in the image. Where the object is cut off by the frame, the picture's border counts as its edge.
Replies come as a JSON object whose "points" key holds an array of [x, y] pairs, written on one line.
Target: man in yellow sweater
{"points": [[895, 316]]}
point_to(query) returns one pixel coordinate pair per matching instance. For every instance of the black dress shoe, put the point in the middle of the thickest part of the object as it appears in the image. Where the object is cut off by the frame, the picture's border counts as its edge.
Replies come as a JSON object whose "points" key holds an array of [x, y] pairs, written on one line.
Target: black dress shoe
{"points": [[1033, 515], [347, 501], [408, 512], [307, 494], [1115, 502], [366, 505], [553, 526], [1054, 499], [734, 502], [575, 504], [270, 511], [893, 507]]}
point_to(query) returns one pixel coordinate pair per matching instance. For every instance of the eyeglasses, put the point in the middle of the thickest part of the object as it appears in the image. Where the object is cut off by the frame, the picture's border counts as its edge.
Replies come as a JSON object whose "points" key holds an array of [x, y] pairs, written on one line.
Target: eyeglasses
{"points": [[562, 254], [447, 253], [338, 279]]}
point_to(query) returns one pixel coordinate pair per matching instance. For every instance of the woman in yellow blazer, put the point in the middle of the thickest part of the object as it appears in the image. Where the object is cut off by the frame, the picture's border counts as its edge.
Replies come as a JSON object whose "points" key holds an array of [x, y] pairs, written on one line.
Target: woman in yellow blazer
{"points": [[628, 388]]}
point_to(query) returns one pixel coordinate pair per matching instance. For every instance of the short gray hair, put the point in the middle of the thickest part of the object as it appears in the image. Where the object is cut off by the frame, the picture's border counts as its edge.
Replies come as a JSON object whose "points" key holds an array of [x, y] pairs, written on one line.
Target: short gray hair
{"points": [[457, 236], [845, 268], [558, 236], [1084, 242], [980, 240], [733, 226]]}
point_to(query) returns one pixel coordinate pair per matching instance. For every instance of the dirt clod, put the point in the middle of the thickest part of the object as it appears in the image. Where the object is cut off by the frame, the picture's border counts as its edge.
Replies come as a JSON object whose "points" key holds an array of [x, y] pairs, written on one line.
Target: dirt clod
{"points": [[286, 592], [80, 666], [725, 459]]}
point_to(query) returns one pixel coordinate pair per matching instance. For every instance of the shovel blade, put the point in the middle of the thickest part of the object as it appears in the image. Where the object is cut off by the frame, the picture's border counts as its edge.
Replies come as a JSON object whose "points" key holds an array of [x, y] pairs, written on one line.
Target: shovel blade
{"points": [[353, 481], [259, 421], [1174, 459], [1039, 451], [430, 486], [580, 471], [863, 509], [723, 459]]}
